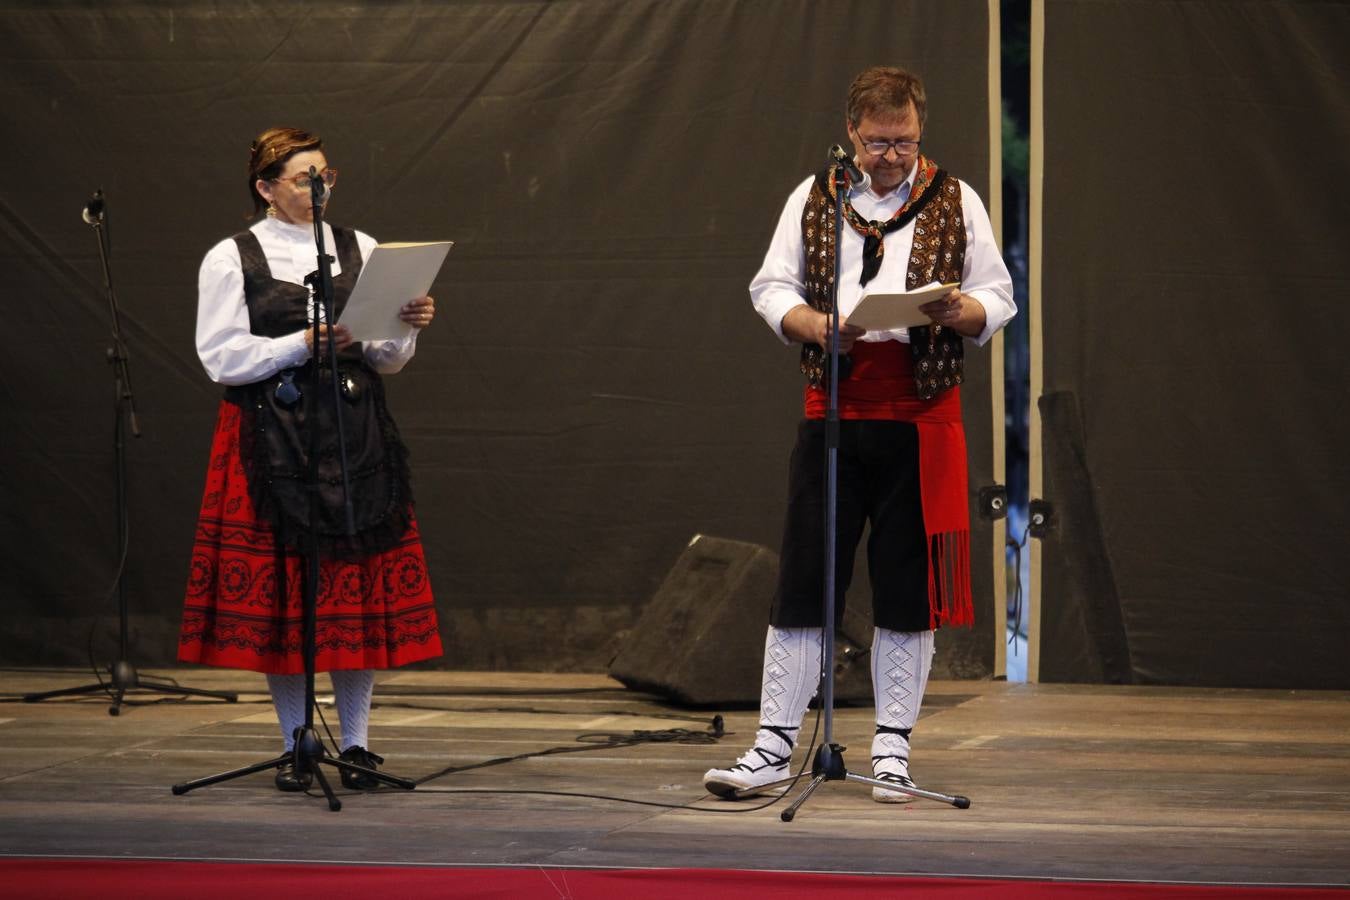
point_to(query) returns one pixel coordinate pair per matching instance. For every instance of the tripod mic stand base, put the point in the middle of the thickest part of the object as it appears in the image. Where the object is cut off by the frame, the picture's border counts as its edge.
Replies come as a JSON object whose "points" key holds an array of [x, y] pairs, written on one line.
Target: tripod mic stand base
{"points": [[124, 679], [308, 758], [828, 765], [955, 800]]}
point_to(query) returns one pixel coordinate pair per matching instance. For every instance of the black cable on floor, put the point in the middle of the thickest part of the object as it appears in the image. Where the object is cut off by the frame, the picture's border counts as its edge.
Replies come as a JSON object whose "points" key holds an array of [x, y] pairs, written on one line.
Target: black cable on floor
{"points": [[613, 741], [715, 722], [616, 741]]}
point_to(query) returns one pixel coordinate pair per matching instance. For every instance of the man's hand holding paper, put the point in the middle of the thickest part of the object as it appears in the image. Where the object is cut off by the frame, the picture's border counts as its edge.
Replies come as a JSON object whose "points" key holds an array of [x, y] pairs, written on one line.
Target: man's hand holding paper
{"points": [[908, 309], [962, 314]]}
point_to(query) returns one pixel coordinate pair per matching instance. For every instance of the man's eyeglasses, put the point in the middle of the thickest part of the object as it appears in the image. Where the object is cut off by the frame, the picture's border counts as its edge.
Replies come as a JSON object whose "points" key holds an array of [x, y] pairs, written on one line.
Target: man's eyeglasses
{"points": [[301, 181], [879, 148]]}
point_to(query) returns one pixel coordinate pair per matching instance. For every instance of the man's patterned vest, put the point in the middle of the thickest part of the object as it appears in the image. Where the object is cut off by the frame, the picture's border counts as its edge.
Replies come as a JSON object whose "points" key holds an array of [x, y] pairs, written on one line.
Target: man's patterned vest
{"points": [[938, 254]]}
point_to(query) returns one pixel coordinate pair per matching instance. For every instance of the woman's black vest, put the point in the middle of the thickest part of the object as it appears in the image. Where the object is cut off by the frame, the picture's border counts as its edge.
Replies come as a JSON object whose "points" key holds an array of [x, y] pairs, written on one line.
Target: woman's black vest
{"points": [[274, 439]]}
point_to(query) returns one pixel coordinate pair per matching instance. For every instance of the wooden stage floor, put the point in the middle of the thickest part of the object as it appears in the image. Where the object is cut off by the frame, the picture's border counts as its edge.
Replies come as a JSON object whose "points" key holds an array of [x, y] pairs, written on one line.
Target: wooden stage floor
{"points": [[1071, 782]]}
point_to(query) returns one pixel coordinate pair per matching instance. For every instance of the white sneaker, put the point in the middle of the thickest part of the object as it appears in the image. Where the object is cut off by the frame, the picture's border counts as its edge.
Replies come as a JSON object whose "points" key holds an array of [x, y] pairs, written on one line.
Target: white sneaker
{"points": [[891, 768], [763, 764], [890, 762]]}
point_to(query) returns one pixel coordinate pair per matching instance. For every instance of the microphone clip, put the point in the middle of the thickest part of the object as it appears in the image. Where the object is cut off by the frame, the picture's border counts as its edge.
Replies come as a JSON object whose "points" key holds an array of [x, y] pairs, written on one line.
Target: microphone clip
{"points": [[858, 180], [93, 210]]}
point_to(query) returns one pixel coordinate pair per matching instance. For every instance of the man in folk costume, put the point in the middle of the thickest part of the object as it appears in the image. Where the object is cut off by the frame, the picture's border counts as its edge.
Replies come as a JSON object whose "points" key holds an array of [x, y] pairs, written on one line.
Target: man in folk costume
{"points": [[902, 451]]}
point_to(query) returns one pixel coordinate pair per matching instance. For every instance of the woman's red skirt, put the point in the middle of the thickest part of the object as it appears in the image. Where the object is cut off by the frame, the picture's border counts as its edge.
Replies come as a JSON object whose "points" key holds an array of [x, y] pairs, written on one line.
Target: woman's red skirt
{"points": [[243, 606]]}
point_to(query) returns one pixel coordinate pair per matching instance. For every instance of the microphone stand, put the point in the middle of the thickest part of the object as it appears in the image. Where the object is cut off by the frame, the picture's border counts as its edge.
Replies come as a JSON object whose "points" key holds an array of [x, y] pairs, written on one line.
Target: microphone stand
{"points": [[828, 764], [309, 754], [124, 675]]}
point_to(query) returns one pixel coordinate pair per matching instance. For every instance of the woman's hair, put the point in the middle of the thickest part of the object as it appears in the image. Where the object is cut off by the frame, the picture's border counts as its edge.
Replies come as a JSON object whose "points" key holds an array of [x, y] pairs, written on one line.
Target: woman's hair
{"points": [[268, 157], [884, 92]]}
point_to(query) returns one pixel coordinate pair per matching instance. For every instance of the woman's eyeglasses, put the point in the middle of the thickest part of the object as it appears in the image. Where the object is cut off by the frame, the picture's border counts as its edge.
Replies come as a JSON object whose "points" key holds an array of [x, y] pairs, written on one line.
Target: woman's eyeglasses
{"points": [[301, 181]]}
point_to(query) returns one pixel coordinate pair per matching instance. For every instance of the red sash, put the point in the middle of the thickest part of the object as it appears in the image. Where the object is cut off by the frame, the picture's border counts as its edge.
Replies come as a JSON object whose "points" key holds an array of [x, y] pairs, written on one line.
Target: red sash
{"points": [[882, 387]]}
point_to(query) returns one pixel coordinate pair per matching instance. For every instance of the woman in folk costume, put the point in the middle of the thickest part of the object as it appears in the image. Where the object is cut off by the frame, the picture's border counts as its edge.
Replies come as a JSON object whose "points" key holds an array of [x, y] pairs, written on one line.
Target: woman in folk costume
{"points": [[244, 598]]}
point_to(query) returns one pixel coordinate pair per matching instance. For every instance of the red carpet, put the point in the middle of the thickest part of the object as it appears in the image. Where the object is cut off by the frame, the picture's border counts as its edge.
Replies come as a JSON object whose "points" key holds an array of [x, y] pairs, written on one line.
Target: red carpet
{"points": [[74, 879]]}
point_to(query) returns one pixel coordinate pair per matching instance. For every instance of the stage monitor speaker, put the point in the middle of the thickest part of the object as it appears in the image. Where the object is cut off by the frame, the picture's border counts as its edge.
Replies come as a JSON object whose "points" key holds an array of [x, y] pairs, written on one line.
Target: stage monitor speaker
{"points": [[700, 640]]}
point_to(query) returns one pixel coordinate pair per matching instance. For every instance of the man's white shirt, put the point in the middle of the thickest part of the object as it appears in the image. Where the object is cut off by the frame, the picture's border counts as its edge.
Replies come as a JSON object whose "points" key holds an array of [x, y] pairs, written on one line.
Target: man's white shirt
{"points": [[780, 283]]}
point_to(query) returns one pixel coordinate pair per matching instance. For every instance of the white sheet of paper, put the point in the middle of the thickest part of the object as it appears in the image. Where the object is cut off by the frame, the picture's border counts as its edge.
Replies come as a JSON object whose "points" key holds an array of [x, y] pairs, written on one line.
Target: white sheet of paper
{"points": [[394, 274], [882, 312]]}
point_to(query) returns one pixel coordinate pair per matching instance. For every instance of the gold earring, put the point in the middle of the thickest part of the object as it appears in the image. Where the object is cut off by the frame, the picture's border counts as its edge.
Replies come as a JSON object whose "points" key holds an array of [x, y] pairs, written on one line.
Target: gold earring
{"points": [[271, 211]]}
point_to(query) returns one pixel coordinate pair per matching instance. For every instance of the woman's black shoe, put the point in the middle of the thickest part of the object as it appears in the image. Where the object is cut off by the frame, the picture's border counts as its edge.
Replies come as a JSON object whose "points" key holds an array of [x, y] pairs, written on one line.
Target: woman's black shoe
{"points": [[287, 780], [360, 781]]}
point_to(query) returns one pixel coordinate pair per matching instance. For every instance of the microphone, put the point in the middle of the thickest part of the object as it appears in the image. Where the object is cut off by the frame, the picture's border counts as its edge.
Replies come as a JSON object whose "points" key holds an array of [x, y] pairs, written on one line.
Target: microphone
{"points": [[858, 180], [93, 210], [318, 191]]}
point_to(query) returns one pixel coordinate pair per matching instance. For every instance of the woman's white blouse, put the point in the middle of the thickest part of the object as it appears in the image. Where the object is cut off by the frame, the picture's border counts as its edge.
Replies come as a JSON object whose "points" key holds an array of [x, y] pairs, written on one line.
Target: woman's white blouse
{"points": [[230, 353]]}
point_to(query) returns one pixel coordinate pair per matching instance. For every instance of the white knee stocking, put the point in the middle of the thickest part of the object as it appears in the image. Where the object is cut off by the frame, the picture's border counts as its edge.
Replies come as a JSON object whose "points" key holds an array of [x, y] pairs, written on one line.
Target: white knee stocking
{"points": [[353, 690], [791, 677], [901, 661], [288, 698]]}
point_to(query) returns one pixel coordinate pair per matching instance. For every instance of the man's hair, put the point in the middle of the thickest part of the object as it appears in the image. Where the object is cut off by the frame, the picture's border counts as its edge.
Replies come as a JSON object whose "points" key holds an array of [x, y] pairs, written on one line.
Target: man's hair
{"points": [[268, 155], [883, 92]]}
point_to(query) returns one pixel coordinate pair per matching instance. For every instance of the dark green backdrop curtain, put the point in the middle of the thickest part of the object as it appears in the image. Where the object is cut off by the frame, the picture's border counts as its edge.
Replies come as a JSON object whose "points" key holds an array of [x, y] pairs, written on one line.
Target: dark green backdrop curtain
{"points": [[1195, 303], [596, 389]]}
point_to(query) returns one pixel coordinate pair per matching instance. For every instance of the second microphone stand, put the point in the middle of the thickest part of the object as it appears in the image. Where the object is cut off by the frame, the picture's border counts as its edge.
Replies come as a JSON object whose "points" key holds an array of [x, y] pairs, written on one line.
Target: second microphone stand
{"points": [[122, 673]]}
